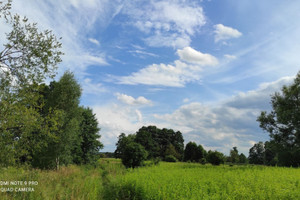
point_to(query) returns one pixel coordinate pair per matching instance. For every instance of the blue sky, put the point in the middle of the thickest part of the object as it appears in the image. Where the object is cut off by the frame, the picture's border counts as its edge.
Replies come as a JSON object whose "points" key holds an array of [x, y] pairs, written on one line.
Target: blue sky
{"points": [[205, 68]]}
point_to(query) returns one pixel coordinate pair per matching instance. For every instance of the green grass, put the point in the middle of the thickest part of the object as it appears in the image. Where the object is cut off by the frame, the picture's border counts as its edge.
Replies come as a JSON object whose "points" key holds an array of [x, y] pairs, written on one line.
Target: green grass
{"points": [[194, 181], [110, 180]]}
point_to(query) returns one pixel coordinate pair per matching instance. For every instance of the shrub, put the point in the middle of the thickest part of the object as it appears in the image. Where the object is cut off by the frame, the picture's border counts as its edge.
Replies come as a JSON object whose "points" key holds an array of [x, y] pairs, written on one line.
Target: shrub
{"points": [[215, 157], [134, 155], [170, 158]]}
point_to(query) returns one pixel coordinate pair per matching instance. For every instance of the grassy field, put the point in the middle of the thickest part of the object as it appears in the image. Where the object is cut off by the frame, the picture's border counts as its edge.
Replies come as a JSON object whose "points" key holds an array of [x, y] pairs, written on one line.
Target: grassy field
{"points": [[109, 180]]}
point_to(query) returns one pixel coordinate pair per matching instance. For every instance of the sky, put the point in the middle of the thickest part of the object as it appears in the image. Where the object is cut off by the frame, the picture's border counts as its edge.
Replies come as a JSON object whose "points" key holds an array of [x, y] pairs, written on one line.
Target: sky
{"points": [[204, 68]]}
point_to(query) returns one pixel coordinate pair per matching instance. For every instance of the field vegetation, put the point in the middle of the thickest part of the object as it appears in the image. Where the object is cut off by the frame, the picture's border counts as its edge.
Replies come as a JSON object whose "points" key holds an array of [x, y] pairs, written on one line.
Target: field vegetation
{"points": [[109, 179]]}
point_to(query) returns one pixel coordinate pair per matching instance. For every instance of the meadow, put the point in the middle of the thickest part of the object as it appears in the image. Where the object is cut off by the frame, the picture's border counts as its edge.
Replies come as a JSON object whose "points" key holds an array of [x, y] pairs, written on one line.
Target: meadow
{"points": [[110, 180]]}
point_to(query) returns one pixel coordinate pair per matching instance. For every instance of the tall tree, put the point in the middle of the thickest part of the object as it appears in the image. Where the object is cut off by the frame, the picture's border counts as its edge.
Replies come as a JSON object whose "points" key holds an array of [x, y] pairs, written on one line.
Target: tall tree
{"points": [[234, 155], [257, 153], [90, 145], [27, 58], [64, 96], [191, 152], [283, 123]]}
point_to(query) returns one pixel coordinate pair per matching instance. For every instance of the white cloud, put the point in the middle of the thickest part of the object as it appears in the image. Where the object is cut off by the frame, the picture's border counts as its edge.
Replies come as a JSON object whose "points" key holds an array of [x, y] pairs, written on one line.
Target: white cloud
{"points": [[230, 57], [218, 126], [94, 41], [72, 20], [190, 55], [224, 32], [176, 75], [167, 23], [259, 98], [172, 75], [129, 100], [115, 119], [142, 54], [228, 123]]}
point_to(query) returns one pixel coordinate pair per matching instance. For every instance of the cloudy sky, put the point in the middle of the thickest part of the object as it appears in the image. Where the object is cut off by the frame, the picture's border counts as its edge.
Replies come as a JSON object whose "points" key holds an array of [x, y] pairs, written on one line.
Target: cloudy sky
{"points": [[206, 68]]}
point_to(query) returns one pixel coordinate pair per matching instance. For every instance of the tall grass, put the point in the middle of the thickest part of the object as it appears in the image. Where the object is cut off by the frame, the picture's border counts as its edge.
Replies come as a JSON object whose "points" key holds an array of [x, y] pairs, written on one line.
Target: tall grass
{"points": [[194, 181], [110, 180], [73, 182]]}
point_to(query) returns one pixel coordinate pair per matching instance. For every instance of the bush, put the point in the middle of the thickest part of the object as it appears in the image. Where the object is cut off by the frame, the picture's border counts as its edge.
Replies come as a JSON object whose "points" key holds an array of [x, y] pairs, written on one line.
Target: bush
{"points": [[215, 157], [134, 155], [170, 158], [203, 161]]}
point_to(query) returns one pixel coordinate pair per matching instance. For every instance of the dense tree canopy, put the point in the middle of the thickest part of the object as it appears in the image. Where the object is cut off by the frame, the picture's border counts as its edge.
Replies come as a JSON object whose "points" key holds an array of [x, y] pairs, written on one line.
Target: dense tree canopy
{"points": [[194, 152], [134, 155], [159, 141], [257, 153], [215, 157]]}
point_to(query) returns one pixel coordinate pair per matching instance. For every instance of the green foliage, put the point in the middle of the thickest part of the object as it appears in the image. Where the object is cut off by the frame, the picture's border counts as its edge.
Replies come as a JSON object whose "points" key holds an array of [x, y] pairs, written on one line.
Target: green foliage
{"points": [[157, 141], [257, 153], [215, 157], [242, 158], [234, 155], [283, 126], [123, 141], [134, 154], [170, 158], [194, 152], [26, 60], [90, 145]]}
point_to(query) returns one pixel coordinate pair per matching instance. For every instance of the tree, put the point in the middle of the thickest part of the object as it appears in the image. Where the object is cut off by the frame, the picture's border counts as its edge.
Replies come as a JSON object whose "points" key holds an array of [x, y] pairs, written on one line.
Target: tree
{"points": [[270, 153], [283, 123], [123, 141], [26, 60], [134, 155], [190, 152], [149, 138], [257, 153], [90, 145], [194, 152], [156, 141], [234, 155], [171, 152], [215, 157], [242, 158]]}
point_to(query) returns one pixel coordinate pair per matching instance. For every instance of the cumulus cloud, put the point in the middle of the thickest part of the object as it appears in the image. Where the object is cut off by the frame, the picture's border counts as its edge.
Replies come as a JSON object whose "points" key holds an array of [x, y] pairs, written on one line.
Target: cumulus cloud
{"points": [[228, 123], [115, 119], [190, 55], [167, 23], [224, 32], [259, 98], [129, 100], [160, 74], [177, 74], [217, 127]]}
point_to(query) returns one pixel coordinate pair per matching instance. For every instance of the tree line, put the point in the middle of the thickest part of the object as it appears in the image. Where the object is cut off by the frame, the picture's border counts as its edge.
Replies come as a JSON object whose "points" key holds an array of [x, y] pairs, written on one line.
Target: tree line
{"points": [[41, 125], [152, 143]]}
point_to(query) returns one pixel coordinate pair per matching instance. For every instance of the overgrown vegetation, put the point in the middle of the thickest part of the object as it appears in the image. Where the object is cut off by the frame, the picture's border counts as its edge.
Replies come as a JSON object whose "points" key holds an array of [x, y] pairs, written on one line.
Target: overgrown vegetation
{"points": [[108, 179]]}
